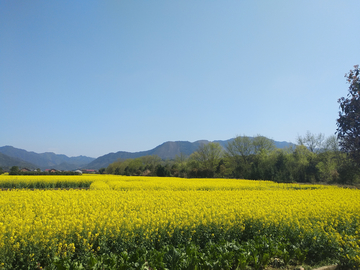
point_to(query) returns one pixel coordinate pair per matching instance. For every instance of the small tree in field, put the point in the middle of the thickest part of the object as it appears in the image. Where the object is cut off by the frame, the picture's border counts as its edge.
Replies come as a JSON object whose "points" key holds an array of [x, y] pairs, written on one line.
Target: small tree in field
{"points": [[14, 170], [348, 123]]}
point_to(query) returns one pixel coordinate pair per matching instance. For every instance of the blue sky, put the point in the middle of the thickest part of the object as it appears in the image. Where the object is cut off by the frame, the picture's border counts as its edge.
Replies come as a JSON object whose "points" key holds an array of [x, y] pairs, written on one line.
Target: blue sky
{"points": [[93, 77]]}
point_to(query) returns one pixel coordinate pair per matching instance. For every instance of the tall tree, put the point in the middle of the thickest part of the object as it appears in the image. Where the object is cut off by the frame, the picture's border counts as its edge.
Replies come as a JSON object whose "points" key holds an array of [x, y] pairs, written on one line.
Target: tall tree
{"points": [[208, 155], [241, 146], [238, 153], [331, 144], [261, 143], [14, 170], [348, 123], [313, 142]]}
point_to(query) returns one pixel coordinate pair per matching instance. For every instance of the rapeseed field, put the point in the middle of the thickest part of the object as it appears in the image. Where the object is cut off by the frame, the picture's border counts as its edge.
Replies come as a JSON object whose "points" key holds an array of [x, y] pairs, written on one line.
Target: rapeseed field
{"points": [[156, 223]]}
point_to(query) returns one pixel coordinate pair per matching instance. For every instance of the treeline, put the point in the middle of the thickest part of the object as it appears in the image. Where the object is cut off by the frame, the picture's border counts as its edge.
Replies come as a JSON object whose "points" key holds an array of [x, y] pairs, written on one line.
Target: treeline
{"points": [[14, 170], [314, 159]]}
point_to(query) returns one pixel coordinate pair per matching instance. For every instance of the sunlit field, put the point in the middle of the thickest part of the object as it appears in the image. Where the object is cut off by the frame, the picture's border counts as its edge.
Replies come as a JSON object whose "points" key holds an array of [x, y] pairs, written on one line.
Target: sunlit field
{"points": [[137, 222]]}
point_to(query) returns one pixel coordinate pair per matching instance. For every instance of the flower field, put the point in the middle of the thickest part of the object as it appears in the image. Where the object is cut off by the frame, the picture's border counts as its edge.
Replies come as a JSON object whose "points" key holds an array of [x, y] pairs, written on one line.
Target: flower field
{"points": [[156, 223], [46, 181]]}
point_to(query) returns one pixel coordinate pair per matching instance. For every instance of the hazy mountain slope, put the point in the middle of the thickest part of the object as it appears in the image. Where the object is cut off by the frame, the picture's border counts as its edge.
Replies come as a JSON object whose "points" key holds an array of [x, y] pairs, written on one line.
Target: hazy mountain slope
{"points": [[7, 162], [166, 150], [169, 150], [45, 160]]}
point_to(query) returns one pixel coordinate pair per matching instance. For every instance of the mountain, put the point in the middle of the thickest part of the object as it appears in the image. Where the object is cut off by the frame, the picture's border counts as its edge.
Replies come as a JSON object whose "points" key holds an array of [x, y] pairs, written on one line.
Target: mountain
{"points": [[167, 150], [12, 156], [46, 160], [7, 162]]}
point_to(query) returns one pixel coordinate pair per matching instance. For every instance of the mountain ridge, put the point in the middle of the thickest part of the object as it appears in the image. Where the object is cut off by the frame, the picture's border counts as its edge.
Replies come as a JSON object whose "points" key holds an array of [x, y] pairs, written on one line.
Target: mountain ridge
{"points": [[6, 162], [166, 150], [45, 160], [163, 151]]}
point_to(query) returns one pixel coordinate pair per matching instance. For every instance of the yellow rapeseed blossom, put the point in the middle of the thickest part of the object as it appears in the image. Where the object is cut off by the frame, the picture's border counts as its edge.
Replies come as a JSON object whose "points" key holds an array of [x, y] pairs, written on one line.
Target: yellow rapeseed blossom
{"points": [[58, 222]]}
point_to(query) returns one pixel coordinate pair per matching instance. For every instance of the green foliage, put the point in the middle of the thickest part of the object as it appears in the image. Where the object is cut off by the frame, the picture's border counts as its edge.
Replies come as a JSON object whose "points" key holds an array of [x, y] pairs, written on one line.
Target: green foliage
{"points": [[211, 248], [262, 144], [14, 170], [313, 142], [139, 166], [162, 171], [348, 123], [206, 159], [243, 155], [15, 183], [323, 164], [315, 160], [348, 171]]}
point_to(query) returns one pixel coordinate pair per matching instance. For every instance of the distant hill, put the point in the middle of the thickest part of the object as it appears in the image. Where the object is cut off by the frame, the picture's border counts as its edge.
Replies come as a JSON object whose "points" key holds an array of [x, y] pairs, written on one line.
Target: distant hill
{"points": [[45, 160], [12, 156], [7, 162], [167, 150]]}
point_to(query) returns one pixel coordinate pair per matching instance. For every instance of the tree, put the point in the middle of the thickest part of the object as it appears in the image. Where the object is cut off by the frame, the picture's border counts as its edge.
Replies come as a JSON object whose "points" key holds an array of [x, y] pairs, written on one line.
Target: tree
{"points": [[313, 142], [331, 144], [329, 160], [180, 167], [180, 158], [14, 170], [238, 153], [162, 171], [261, 143], [208, 156], [242, 150], [241, 146], [348, 123]]}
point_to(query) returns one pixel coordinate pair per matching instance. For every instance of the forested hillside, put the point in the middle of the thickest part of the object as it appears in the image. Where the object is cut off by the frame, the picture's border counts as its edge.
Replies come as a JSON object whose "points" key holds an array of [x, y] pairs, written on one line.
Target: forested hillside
{"points": [[167, 150], [43, 160], [315, 159], [7, 162]]}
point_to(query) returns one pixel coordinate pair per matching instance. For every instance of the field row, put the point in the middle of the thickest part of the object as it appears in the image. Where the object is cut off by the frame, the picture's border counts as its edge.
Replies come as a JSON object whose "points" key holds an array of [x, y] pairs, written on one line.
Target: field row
{"points": [[117, 182], [38, 227]]}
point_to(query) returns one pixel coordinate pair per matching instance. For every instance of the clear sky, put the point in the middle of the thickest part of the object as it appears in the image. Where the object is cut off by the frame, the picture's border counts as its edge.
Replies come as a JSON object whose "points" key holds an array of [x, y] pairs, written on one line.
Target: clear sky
{"points": [[93, 77]]}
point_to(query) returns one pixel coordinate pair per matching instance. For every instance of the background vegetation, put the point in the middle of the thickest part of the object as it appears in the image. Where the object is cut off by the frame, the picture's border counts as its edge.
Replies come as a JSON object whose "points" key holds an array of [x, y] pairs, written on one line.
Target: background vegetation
{"points": [[315, 159]]}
